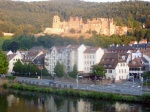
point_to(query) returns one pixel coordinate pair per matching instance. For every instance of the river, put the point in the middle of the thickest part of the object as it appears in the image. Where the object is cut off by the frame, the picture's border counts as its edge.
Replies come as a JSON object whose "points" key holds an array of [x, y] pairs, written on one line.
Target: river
{"points": [[19, 101]]}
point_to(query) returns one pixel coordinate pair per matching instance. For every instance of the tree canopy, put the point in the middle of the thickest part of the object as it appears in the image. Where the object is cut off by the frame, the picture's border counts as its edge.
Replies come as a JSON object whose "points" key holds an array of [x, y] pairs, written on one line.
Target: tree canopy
{"points": [[74, 72], [32, 17], [98, 70], [28, 70], [59, 70], [3, 63]]}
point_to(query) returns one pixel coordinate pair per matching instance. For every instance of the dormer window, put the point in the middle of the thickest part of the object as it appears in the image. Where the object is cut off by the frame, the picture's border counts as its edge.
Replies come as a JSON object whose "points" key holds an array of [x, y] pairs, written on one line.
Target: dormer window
{"points": [[110, 65], [134, 62]]}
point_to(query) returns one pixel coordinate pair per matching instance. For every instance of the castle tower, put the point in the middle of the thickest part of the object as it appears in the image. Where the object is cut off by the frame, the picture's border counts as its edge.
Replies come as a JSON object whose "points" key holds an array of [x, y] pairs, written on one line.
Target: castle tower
{"points": [[111, 26], [56, 21]]}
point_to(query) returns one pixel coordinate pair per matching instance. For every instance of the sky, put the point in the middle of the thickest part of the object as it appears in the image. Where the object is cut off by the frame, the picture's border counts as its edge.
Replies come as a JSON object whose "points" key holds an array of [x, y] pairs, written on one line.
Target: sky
{"points": [[85, 0], [108, 0]]}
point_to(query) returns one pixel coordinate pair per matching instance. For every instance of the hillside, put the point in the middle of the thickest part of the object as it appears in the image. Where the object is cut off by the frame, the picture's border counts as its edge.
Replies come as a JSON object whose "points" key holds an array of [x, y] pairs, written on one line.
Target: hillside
{"points": [[34, 17]]}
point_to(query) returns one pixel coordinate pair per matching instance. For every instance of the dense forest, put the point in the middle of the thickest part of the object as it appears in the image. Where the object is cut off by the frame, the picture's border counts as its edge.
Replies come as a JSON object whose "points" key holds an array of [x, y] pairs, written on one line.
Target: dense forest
{"points": [[33, 17], [27, 18]]}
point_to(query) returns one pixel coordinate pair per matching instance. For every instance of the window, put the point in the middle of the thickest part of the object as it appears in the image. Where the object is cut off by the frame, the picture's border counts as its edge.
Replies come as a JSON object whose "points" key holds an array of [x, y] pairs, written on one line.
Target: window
{"points": [[85, 62], [109, 71], [93, 62], [93, 56]]}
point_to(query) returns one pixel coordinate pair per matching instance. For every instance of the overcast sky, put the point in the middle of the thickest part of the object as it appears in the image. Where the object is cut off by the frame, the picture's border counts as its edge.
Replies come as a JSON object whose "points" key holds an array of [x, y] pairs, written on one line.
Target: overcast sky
{"points": [[108, 0], [85, 0]]}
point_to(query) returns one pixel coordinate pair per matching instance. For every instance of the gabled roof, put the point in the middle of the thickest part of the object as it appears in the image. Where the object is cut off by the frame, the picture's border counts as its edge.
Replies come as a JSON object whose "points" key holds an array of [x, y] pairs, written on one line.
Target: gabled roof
{"points": [[31, 55], [110, 60], [91, 49], [11, 56], [136, 62]]}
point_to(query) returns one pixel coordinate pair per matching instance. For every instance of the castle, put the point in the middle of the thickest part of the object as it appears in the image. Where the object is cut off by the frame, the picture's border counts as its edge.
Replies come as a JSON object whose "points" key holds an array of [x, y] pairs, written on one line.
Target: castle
{"points": [[104, 26]]}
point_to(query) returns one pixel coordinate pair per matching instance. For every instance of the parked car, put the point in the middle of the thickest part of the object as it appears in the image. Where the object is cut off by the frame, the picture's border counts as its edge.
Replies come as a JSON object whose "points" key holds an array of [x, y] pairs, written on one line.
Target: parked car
{"points": [[131, 79]]}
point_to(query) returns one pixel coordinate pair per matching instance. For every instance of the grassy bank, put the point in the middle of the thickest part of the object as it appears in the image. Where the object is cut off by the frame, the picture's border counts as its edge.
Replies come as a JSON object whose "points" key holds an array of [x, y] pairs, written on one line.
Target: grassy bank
{"points": [[145, 98]]}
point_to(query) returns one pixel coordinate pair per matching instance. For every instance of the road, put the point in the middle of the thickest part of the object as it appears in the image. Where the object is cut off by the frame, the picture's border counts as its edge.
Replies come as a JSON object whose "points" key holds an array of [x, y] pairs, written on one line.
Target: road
{"points": [[121, 88]]}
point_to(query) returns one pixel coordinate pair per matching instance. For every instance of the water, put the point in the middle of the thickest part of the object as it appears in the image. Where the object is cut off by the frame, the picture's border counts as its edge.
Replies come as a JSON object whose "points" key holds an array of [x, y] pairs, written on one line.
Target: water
{"points": [[18, 101]]}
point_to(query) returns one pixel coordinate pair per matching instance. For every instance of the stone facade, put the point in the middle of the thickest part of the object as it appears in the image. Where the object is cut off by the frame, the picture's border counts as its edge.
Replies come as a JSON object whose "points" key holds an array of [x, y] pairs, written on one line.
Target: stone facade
{"points": [[104, 26]]}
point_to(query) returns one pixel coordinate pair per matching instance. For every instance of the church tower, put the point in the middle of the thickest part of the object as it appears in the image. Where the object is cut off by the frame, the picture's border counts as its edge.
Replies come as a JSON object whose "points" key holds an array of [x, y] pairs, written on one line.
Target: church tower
{"points": [[56, 21]]}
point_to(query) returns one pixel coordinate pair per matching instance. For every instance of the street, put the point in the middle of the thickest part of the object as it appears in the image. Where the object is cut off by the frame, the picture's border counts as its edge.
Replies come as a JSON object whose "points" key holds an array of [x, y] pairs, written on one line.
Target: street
{"points": [[126, 87]]}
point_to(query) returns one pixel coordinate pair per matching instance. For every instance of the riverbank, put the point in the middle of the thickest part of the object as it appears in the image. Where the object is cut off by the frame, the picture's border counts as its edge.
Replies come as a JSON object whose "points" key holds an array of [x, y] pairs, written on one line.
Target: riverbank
{"points": [[145, 98]]}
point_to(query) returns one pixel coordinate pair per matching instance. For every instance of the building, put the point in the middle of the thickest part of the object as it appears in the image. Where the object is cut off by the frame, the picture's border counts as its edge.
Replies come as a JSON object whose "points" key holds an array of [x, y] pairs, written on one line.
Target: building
{"points": [[13, 58], [116, 65], [80, 55], [104, 26], [138, 66]]}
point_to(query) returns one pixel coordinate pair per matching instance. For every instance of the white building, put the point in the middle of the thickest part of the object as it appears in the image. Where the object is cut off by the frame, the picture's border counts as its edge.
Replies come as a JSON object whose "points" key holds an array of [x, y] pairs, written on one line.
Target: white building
{"points": [[79, 55], [116, 65], [53, 55], [13, 58], [92, 56]]}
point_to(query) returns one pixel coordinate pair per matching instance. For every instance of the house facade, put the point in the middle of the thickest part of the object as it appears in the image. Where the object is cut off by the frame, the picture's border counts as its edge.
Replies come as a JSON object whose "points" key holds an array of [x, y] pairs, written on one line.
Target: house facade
{"points": [[116, 65], [13, 58], [80, 55]]}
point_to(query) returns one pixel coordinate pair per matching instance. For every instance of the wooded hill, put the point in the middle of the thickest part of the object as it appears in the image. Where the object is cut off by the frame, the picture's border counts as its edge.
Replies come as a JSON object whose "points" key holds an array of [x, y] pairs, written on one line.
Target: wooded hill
{"points": [[34, 17]]}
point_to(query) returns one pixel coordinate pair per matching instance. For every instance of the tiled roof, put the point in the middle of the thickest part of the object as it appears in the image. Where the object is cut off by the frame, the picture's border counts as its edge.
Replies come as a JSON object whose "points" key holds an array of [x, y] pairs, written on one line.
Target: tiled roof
{"points": [[11, 56], [136, 62], [120, 49], [30, 56], [91, 49], [110, 60]]}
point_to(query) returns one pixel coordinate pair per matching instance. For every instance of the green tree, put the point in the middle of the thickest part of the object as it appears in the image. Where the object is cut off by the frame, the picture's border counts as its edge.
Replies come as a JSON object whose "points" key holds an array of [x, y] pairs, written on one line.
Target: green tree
{"points": [[74, 72], [45, 72], [98, 70], [18, 68], [59, 70], [146, 74], [3, 63]]}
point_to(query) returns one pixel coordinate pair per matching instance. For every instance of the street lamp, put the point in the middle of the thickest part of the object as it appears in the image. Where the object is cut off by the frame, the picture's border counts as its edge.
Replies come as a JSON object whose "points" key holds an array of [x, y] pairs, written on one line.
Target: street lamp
{"points": [[41, 73], [77, 80], [133, 80]]}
